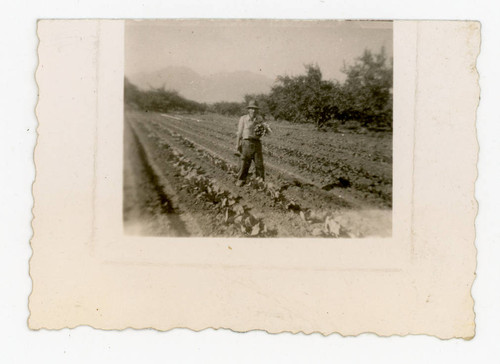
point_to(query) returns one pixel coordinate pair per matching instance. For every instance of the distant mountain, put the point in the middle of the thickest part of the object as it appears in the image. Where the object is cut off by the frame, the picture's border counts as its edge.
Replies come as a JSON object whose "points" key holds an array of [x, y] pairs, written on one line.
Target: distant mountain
{"points": [[224, 86]]}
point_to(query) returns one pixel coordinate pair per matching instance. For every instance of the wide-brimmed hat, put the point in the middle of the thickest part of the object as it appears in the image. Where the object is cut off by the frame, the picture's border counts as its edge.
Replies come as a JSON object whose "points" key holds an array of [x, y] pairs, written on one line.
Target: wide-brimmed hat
{"points": [[252, 105]]}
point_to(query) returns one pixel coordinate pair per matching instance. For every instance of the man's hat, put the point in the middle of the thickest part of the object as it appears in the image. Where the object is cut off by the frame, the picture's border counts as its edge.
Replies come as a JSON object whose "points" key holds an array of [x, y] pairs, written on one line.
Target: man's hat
{"points": [[252, 105]]}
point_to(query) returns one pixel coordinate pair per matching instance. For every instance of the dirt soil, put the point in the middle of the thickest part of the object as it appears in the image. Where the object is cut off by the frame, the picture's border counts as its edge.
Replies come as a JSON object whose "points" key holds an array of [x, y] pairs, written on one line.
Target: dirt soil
{"points": [[179, 180]]}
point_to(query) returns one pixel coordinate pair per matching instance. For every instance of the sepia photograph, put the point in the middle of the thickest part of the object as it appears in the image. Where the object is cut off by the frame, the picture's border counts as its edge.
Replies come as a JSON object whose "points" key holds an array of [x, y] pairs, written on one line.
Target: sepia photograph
{"points": [[258, 128]]}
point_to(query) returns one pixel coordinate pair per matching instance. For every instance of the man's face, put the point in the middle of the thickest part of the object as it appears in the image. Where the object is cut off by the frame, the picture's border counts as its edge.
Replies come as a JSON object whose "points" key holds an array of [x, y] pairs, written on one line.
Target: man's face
{"points": [[252, 112]]}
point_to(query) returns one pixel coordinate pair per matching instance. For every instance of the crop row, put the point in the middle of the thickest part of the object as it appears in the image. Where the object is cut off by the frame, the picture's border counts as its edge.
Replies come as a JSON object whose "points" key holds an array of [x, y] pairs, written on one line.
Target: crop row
{"points": [[325, 168]]}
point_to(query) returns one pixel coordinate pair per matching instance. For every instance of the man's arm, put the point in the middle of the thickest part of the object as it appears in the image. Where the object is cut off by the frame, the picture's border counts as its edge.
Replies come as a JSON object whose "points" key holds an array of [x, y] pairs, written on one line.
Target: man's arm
{"points": [[239, 134]]}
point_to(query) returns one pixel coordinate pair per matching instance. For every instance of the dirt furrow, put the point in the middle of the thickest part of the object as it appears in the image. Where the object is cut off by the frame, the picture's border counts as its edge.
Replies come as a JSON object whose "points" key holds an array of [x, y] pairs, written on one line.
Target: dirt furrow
{"points": [[147, 209]]}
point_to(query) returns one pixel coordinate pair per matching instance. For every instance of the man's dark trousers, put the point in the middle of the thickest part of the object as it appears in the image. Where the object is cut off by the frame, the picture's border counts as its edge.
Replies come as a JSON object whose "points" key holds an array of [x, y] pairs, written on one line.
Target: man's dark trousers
{"points": [[251, 149]]}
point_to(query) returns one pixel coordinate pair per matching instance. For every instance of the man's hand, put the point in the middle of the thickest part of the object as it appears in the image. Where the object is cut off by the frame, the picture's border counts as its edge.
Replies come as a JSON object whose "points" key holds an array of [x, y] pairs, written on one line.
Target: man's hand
{"points": [[238, 150], [238, 146]]}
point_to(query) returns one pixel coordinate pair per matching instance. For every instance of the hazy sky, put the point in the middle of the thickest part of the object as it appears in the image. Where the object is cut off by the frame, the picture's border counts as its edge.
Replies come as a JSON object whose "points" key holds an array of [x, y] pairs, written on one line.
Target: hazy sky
{"points": [[270, 48]]}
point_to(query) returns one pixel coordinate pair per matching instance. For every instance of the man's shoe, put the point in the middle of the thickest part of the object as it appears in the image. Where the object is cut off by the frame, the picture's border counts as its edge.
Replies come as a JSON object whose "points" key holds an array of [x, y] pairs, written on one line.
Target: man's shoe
{"points": [[240, 183]]}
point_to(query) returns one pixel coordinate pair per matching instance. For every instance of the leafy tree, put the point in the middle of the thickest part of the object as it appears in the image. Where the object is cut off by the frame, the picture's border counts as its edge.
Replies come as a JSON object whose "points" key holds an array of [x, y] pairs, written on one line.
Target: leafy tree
{"points": [[368, 90], [365, 97], [304, 98]]}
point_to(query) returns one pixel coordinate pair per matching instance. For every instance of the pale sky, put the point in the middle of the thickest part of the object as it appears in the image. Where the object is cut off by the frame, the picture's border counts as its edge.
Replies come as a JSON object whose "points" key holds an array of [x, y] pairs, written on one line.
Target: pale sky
{"points": [[268, 47]]}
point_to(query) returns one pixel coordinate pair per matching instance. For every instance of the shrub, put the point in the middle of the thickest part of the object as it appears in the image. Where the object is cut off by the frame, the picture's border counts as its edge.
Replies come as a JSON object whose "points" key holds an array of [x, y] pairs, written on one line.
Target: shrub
{"points": [[159, 99]]}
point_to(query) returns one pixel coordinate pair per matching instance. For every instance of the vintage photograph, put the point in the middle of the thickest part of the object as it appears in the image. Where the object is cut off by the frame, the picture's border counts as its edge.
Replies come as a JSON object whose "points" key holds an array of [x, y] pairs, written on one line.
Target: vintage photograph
{"points": [[258, 128]]}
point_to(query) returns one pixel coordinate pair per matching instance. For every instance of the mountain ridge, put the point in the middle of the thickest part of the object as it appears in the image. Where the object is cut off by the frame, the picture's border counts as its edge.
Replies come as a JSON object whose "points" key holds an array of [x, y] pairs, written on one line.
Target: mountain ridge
{"points": [[220, 86]]}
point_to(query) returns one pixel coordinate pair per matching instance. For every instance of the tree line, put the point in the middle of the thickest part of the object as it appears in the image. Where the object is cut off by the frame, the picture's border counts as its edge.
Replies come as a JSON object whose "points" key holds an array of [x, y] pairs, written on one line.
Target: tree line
{"points": [[159, 99], [363, 99]]}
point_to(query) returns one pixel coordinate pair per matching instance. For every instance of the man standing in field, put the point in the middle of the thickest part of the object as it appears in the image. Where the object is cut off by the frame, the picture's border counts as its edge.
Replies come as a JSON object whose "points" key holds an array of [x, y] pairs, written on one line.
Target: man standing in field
{"points": [[250, 130]]}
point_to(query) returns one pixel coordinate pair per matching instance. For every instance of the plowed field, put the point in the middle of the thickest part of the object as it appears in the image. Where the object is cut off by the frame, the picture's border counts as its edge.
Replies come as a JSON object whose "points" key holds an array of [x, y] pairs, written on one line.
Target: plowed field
{"points": [[179, 180]]}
